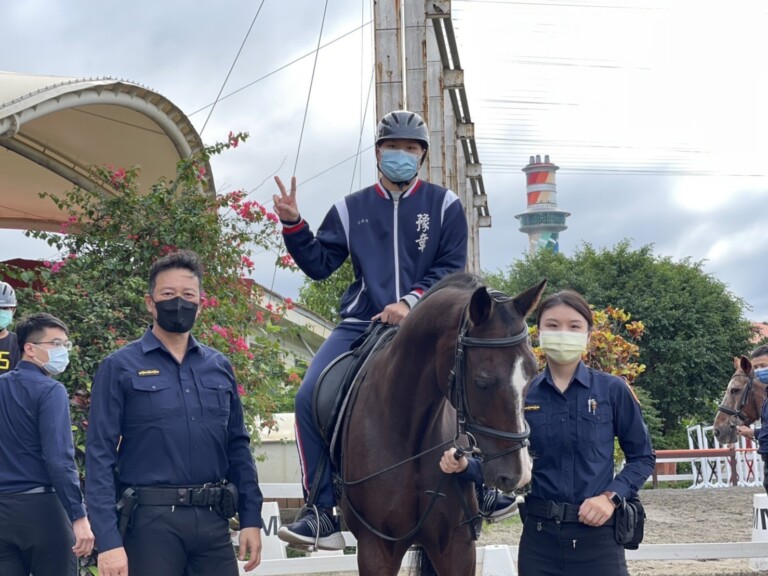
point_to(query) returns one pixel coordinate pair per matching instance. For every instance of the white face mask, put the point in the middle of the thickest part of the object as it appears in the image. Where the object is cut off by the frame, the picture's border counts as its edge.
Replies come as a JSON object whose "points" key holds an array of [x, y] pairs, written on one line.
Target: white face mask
{"points": [[563, 347], [58, 359]]}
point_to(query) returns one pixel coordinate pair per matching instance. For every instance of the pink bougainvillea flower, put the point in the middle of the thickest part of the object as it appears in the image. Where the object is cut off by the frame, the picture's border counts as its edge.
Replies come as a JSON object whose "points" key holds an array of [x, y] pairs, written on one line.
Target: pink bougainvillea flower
{"points": [[239, 344], [118, 177], [209, 302]]}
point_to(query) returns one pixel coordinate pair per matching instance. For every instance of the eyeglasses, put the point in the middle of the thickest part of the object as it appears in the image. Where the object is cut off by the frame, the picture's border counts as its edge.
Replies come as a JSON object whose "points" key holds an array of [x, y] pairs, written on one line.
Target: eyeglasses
{"points": [[58, 343]]}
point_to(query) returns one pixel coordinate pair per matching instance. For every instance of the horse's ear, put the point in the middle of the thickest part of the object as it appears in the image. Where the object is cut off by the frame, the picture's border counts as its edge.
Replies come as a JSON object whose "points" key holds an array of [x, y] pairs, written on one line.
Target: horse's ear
{"points": [[526, 301], [736, 362], [480, 306], [745, 364]]}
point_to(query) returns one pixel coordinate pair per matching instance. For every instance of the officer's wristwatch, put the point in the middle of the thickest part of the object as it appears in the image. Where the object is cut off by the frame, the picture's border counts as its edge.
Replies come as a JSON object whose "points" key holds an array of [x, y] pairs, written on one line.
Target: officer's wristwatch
{"points": [[615, 499]]}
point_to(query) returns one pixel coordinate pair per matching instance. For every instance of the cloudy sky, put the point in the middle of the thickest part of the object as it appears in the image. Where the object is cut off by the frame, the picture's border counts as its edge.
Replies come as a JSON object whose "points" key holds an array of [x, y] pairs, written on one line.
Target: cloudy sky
{"points": [[655, 110]]}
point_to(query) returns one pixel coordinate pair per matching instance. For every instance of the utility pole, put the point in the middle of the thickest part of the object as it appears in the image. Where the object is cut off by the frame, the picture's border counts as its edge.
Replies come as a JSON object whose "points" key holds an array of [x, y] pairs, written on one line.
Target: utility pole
{"points": [[416, 67]]}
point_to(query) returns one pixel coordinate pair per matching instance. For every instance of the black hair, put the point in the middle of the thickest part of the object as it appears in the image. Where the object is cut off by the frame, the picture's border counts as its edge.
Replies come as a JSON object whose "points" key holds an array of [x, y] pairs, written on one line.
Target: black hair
{"points": [[568, 298], [185, 259], [759, 351], [31, 327]]}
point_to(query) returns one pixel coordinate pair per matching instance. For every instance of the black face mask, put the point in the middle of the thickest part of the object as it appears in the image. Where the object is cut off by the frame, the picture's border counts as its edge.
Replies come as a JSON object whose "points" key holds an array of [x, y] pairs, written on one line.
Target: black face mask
{"points": [[176, 315]]}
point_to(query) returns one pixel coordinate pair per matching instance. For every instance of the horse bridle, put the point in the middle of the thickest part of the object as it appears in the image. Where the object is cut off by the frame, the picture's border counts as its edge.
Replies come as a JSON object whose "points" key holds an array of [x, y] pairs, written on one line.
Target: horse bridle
{"points": [[458, 394], [742, 402]]}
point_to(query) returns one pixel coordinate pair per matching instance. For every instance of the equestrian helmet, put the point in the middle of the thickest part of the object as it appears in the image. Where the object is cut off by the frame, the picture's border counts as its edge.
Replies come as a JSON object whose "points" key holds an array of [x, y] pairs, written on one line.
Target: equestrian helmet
{"points": [[402, 124], [7, 296]]}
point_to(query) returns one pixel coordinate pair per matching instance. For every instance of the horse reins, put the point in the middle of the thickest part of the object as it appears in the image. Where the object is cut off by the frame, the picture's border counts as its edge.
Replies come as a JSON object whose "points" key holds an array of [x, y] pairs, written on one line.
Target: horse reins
{"points": [[458, 392], [742, 402]]}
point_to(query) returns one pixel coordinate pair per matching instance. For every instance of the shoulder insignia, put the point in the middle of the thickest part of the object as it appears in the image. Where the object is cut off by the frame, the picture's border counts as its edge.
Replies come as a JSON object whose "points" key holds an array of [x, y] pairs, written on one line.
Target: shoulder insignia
{"points": [[632, 391], [532, 408], [148, 372]]}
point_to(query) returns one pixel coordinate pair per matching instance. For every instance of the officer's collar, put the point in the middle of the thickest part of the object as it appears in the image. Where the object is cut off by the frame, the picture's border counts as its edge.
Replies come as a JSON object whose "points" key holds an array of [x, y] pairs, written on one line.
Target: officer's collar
{"points": [[151, 342], [581, 375], [29, 365]]}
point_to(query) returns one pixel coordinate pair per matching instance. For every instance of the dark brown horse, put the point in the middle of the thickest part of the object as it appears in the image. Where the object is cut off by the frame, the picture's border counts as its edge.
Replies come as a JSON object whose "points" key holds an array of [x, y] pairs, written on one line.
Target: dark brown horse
{"points": [[455, 373], [741, 405]]}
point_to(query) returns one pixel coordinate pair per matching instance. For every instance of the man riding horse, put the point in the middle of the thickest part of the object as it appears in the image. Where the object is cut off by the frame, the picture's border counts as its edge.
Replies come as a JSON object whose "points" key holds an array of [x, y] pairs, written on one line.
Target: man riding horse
{"points": [[403, 235]]}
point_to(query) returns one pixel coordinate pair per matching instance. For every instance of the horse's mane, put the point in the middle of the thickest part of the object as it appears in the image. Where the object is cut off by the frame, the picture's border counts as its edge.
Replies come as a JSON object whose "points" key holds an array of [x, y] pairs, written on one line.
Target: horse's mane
{"points": [[465, 282], [458, 280]]}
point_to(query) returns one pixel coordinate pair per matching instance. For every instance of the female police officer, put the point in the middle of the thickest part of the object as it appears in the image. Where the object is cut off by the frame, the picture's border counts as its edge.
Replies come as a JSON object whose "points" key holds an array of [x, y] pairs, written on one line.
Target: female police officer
{"points": [[575, 413]]}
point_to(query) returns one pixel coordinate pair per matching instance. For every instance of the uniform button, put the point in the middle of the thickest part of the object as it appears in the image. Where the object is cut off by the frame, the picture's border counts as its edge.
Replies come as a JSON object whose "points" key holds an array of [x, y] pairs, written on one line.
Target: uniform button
{"points": [[562, 419], [193, 417], [154, 387], [187, 390]]}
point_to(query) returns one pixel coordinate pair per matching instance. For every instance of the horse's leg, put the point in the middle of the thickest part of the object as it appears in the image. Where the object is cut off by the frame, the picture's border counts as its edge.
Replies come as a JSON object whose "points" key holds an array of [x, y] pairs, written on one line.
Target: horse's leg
{"points": [[458, 558], [377, 557]]}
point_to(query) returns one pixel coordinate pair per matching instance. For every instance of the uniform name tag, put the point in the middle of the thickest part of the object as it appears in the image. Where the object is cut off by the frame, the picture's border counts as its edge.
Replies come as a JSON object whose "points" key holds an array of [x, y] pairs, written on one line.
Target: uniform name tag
{"points": [[532, 408], [148, 372]]}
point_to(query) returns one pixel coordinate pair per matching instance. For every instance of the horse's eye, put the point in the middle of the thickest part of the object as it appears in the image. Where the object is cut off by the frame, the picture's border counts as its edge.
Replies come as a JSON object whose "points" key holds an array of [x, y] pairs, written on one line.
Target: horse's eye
{"points": [[484, 383], [734, 392]]}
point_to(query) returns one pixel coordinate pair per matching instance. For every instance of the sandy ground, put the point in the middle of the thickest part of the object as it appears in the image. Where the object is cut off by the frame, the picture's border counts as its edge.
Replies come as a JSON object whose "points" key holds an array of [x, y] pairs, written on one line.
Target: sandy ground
{"points": [[675, 515]]}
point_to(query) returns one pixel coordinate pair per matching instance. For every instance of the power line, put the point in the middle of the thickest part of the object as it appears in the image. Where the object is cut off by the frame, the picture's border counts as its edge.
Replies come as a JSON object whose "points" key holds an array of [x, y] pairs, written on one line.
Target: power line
{"points": [[362, 127], [311, 82], [232, 67], [283, 67]]}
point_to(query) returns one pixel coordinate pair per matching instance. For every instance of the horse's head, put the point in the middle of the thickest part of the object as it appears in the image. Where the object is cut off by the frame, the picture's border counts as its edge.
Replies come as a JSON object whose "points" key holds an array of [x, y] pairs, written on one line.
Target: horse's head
{"points": [[493, 368], [741, 404]]}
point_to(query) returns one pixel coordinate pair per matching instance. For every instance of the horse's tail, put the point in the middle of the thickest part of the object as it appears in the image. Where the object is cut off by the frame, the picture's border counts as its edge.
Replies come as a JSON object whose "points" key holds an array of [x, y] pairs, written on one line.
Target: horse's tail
{"points": [[421, 565]]}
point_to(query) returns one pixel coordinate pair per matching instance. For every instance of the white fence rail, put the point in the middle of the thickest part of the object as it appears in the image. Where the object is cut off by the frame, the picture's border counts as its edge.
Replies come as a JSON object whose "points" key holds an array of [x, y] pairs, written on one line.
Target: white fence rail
{"points": [[646, 552]]}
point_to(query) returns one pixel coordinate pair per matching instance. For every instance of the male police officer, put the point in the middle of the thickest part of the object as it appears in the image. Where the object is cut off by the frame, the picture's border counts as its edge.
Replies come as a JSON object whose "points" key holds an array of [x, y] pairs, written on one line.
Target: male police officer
{"points": [[40, 498], [9, 346], [171, 405]]}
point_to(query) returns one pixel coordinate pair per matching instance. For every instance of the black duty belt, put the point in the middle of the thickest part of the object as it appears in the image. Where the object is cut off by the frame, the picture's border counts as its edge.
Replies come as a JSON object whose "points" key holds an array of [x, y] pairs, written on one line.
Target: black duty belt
{"points": [[38, 490], [561, 512], [178, 496]]}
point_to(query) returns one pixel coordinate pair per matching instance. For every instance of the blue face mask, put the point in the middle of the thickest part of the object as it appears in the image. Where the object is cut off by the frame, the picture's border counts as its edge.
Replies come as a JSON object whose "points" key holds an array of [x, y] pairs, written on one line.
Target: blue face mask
{"points": [[5, 318], [762, 375], [58, 360], [399, 165]]}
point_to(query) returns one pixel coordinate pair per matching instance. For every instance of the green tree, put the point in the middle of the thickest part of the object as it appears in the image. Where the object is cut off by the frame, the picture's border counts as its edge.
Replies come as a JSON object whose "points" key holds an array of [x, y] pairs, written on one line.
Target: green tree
{"points": [[694, 324], [322, 297], [107, 246]]}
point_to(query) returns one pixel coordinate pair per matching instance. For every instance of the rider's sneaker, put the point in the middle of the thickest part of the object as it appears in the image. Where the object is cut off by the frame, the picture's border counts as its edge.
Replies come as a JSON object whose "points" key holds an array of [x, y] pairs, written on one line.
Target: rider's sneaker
{"points": [[495, 505], [304, 532]]}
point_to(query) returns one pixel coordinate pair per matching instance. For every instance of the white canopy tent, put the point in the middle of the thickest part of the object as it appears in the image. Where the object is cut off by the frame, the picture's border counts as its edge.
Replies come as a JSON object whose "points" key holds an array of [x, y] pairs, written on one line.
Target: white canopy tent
{"points": [[52, 129]]}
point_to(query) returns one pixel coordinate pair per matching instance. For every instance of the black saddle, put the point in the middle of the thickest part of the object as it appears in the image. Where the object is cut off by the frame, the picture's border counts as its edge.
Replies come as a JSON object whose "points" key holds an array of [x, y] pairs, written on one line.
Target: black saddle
{"points": [[335, 383]]}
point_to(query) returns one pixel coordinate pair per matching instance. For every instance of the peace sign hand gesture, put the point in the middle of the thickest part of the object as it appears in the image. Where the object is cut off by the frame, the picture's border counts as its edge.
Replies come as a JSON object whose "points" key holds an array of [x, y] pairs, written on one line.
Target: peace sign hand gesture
{"points": [[285, 204]]}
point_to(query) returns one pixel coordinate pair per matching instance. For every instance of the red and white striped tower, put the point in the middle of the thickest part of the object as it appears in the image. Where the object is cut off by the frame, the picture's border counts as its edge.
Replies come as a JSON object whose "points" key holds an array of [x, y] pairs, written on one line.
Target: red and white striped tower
{"points": [[542, 221]]}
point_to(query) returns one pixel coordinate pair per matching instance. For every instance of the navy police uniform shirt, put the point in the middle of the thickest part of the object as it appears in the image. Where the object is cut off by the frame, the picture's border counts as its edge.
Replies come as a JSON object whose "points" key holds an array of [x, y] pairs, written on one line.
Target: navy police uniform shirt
{"points": [[175, 424], [572, 437], [762, 432], [36, 446]]}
